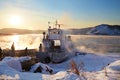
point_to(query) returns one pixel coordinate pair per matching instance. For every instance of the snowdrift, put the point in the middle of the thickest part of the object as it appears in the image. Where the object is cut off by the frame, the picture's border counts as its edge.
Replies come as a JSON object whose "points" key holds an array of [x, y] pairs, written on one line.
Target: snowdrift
{"points": [[44, 68], [13, 63], [114, 66]]}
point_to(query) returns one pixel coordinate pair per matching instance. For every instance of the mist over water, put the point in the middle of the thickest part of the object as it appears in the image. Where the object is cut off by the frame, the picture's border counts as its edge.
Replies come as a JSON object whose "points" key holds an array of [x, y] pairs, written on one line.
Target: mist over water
{"points": [[97, 44], [84, 43]]}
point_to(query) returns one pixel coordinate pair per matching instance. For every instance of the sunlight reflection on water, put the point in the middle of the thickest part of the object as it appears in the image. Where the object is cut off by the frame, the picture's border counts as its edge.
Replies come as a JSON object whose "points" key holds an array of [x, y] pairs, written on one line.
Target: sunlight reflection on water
{"points": [[31, 41]]}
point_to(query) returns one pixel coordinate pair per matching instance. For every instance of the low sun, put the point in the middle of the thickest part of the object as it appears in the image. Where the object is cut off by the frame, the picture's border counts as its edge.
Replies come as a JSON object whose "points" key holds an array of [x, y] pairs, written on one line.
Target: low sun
{"points": [[15, 20]]}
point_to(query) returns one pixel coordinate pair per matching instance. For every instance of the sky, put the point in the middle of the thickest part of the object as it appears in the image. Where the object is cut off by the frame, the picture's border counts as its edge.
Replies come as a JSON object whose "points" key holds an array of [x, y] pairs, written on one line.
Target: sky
{"points": [[35, 14]]}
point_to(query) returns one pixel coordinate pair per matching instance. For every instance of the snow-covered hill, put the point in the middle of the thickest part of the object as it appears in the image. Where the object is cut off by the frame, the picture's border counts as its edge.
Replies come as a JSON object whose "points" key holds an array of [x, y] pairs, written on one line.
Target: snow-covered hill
{"points": [[105, 29]]}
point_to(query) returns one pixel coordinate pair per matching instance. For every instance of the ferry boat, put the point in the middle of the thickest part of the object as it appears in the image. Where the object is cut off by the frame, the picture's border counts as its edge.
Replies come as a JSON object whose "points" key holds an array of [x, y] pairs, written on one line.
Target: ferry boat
{"points": [[55, 46]]}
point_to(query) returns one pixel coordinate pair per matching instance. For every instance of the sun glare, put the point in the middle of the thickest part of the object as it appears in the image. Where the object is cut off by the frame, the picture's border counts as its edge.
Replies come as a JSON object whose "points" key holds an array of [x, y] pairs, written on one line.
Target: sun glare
{"points": [[15, 20], [15, 38]]}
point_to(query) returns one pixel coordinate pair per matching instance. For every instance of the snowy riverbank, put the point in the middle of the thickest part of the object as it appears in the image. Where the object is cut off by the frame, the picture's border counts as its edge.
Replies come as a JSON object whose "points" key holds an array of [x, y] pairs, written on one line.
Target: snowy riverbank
{"points": [[95, 68]]}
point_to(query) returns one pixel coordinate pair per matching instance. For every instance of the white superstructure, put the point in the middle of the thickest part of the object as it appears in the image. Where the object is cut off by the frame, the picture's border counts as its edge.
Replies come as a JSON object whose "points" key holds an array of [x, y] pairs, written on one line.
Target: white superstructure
{"points": [[53, 39], [55, 45]]}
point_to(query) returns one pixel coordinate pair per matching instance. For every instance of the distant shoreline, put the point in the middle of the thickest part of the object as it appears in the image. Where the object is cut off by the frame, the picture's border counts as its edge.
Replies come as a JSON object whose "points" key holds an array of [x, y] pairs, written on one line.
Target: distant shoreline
{"points": [[17, 34], [14, 31]]}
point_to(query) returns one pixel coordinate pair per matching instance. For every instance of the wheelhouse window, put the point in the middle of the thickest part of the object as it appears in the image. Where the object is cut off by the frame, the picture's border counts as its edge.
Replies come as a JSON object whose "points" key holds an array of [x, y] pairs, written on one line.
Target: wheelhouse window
{"points": [[57, 43]]}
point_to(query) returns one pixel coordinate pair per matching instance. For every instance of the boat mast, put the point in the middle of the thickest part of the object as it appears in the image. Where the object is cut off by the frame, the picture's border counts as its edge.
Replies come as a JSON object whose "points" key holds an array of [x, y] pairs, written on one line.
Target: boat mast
{"points": [[56, 23]]}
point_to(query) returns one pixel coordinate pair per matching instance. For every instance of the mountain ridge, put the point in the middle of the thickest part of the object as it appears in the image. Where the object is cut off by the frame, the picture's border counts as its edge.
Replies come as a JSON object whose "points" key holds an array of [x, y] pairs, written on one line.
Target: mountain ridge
{"points": [[10, 31], [105, 29]]}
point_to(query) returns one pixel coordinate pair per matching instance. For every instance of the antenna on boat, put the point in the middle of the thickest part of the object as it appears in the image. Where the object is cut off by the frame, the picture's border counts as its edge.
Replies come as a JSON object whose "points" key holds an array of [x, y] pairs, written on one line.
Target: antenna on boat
{"points": [[59, 26], [49, 24], [56, 23]]}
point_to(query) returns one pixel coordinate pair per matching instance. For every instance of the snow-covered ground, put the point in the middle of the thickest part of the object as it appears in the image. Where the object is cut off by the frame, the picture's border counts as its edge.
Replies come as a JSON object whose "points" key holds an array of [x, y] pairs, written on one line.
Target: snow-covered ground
{"points": [[96, 67]]}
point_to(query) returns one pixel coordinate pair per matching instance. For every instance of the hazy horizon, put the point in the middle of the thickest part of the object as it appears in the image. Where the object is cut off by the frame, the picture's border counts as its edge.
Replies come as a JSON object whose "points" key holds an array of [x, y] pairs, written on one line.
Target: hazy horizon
{"points": [[35, 14]]}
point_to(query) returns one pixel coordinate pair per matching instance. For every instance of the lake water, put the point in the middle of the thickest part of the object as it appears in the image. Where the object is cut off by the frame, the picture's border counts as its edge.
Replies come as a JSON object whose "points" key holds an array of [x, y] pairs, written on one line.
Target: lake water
{"points": [[85, 43]]}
